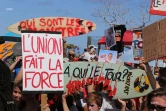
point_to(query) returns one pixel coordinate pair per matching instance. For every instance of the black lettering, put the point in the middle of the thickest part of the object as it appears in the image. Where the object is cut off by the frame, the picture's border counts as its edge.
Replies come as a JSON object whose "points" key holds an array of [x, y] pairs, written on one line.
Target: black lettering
{"points": [[125, 73], [156, 3], [109, 72], [91, 73], [126, 90], [67, 71], [118, 76], [83, 75], [96, 70], [78, 75]]}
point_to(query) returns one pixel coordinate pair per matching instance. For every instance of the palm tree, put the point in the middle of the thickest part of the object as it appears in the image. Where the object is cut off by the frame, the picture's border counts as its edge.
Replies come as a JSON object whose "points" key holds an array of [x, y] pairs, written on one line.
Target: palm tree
{"points": [[71, 47]]}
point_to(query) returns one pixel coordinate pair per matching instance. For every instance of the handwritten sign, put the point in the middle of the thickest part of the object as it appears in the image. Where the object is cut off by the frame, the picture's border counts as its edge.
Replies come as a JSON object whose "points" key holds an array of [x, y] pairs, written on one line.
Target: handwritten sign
{"points": [[158, 7], [154, 41], [137, 44], [6, 50], [131, 83], [42, 62], [150, 42], [67, 26]]}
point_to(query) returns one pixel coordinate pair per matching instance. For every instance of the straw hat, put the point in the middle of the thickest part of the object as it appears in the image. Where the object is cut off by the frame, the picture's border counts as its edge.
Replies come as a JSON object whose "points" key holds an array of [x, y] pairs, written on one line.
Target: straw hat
{"points": [[71, 52]]}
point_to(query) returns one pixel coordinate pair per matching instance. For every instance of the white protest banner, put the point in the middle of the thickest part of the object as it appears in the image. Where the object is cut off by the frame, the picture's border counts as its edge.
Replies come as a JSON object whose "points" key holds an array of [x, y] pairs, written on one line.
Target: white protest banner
{"points": [[42, 62], [158, 7]]}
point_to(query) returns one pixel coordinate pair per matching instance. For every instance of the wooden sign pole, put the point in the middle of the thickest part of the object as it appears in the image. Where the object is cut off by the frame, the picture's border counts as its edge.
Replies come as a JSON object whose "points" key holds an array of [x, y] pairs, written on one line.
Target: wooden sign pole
{"points": [[43, 101], [152, 79]]}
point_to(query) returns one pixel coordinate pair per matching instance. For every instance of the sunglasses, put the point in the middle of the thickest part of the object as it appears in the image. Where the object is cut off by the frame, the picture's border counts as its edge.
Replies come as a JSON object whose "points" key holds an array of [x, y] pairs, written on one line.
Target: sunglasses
{"points": [[157, 108]]}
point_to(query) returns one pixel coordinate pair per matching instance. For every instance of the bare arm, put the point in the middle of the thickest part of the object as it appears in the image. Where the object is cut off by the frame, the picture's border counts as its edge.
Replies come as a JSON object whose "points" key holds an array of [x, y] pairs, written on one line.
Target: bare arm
{"points": [[64, 103], [123, 104], [14, 63]]}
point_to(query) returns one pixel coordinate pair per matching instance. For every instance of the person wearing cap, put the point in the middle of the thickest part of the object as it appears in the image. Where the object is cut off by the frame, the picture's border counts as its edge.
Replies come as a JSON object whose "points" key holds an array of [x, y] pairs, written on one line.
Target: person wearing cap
{"points": [[92, 52]]}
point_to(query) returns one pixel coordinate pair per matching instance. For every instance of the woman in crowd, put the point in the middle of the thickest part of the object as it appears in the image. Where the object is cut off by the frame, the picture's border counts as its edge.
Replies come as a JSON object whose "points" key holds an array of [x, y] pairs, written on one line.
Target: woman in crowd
{"points": [[156, 100], [17, 92], [95, 102], [6, 101]]}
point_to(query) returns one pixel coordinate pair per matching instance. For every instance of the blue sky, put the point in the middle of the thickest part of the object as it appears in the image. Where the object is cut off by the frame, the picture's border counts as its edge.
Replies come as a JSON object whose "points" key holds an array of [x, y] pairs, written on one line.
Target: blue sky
{"points": [[25, 9]]}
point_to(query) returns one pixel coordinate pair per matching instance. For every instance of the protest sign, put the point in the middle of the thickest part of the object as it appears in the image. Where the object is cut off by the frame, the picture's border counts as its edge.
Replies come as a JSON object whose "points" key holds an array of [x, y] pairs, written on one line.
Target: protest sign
{"points": [[42, 61], [110, 37], [108, 56], [6, 50], [154, 41], [137, 44], [158, 7], [66, 25], [124, 82], [150, 42]]}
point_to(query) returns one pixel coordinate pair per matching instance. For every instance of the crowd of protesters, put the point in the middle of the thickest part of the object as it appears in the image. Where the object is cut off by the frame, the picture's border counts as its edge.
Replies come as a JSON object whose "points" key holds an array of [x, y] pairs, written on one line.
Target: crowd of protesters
{"points": [[86, 98]]}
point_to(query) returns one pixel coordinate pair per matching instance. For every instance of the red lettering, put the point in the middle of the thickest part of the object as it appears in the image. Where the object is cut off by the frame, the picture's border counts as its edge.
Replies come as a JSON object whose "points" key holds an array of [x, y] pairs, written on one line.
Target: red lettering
{"points": [[23, 42], [29, 23], [83, 30], [42, 22], [41, 58], [89, 24], [43, 79], [50, 68], [32, 63], [49, 22], [70, 32], [77, 31], [33, 45], [25, 60], [67, 22], [72, 22], [61, 20], [58, 46], [26, 79], [77, 23], [23, 24], [58, 64], [59, 80], [49, 46], [50, 80], [33, 81]]}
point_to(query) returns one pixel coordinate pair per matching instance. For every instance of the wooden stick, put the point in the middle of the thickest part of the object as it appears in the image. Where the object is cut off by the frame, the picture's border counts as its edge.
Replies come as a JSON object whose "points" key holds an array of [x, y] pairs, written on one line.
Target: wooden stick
{"points": [[151, 77], [43, 101]]}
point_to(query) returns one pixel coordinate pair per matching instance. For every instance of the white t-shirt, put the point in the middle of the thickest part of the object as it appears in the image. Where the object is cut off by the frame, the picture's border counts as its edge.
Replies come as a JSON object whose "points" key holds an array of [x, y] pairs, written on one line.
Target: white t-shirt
{"points": [[105, 105]]}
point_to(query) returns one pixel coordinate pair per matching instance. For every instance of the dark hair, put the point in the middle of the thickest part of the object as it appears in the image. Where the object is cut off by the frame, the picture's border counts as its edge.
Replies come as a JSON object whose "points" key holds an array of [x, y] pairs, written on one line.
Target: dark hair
{"points": [[6, 101], [19, 85], [85, 50], [160, 92], [110, 53], [162, 77]]}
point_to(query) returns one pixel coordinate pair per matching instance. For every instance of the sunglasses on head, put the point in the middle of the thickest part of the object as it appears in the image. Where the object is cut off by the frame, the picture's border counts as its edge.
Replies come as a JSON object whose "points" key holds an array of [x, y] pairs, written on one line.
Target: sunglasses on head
{"points": [[157, 108]]}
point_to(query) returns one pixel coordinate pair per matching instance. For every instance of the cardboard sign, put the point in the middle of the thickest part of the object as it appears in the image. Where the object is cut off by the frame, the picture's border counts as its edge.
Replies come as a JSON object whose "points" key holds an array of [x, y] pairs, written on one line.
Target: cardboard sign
{"points": [[154, 45], [158, 7], [137, 44], [150, 42], [42, 62], [125, 82], [6, 50], [67, 26]]}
